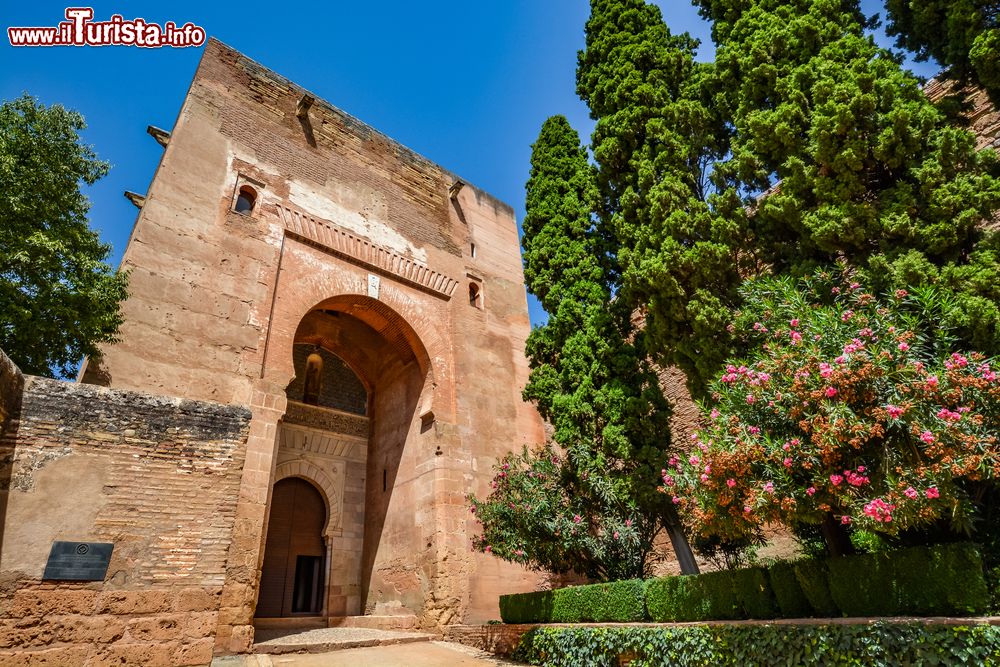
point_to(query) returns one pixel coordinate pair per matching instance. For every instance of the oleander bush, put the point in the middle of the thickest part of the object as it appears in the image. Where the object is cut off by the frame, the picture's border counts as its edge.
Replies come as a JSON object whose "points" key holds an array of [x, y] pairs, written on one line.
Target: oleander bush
{"points": [[944, 579], [883, 644]]}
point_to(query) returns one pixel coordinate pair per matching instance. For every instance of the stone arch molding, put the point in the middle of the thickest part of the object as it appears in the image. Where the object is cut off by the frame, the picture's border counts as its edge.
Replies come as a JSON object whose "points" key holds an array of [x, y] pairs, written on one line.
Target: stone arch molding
{"points": [[333, 492]]}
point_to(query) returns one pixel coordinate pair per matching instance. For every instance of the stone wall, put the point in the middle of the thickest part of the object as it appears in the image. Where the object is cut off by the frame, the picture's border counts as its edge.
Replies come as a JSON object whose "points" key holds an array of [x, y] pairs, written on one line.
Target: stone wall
{"points": [[11, 384], [158, 477]]}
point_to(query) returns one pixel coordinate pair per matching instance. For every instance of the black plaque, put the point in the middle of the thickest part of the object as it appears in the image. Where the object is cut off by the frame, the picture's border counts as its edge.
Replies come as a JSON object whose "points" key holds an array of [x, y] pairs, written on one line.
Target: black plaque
{"points": [[78, 561]]}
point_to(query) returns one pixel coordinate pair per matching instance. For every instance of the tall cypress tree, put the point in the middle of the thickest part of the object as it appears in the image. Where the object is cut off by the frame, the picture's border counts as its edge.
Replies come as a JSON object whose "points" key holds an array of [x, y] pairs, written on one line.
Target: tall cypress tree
{"points": [[870, 170], [590, 378], [656, 139]]}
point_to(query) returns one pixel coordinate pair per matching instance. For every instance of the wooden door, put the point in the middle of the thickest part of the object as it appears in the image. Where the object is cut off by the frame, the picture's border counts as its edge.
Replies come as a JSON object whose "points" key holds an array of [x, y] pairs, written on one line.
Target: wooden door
{"points": [[292, 580]]}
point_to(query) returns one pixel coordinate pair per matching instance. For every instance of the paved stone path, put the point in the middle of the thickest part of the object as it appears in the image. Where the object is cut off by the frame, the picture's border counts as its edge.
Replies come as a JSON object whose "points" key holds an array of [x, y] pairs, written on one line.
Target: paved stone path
{"points": [[418, 654], [320, 640]]}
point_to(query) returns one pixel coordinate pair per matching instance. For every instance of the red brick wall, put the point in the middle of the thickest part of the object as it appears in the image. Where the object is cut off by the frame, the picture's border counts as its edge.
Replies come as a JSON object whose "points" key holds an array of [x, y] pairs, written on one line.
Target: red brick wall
{"points": [[158, 477]]}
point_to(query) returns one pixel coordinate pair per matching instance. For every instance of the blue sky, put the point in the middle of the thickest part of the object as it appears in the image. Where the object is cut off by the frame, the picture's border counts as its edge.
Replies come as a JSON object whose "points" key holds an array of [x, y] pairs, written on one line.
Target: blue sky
{"points": [[467, 85]]}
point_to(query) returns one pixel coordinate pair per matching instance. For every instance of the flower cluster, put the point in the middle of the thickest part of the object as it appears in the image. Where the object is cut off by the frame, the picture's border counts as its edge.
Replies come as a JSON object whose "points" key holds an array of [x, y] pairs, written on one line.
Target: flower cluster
{"points": [[867, 415]]}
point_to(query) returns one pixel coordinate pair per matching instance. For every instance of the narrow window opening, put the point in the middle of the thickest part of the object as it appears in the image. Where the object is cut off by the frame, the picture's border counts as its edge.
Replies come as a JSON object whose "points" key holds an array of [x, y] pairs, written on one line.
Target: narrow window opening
{"points": [[245, 200], [472, 250], [475, 295], [384, 479]]}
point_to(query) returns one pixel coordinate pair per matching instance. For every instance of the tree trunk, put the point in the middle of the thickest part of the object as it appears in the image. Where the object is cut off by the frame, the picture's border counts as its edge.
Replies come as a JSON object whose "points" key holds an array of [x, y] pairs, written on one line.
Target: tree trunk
{"points": [[679, 541], [838, 541]]}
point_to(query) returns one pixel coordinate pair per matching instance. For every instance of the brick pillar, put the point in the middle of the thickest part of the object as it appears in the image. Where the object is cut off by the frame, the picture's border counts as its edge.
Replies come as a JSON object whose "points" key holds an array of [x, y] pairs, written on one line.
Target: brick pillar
{"points": [[246, 551]]}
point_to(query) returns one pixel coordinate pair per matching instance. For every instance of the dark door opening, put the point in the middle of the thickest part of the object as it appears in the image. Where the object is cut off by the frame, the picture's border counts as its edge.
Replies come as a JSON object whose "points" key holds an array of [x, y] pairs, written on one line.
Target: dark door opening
{"points": [[292, 580]]}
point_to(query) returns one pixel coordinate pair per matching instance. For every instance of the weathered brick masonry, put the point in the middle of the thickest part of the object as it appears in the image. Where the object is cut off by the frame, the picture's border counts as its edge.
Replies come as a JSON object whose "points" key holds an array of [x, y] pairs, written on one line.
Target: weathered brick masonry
{"points": [[359, 247], [156, 476]]}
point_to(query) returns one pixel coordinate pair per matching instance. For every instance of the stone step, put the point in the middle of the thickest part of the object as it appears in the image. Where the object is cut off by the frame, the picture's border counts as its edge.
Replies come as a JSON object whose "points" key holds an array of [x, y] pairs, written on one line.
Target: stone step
{"points": [[374, 622], [324, 640]]}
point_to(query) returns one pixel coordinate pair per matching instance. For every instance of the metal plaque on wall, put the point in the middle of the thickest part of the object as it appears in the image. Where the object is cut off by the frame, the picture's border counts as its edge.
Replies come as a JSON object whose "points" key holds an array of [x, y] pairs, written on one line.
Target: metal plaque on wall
{"points": [[78, 561]]}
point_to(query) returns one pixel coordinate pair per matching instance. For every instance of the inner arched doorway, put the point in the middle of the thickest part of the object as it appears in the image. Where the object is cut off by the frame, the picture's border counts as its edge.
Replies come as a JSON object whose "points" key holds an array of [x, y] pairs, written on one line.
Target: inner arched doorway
{"points": [[352, 414], [292, 577]]}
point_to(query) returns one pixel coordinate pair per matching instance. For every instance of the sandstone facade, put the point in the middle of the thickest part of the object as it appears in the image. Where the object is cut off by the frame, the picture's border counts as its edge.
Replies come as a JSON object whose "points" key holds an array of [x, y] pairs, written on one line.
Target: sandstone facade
{"points": [[355, 317]]}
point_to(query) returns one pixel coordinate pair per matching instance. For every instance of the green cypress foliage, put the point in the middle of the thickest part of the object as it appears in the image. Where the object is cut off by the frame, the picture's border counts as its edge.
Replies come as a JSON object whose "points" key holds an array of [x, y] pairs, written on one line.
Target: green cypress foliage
{"points": [[591, 379], [657, 135], [963, 35]]}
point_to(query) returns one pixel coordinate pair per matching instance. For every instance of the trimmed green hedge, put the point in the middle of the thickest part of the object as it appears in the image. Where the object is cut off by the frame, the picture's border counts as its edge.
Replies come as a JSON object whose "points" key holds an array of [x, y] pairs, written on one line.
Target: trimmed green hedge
{"points": [[763, 645], [619, 601], [940, 580], [945, 579]]}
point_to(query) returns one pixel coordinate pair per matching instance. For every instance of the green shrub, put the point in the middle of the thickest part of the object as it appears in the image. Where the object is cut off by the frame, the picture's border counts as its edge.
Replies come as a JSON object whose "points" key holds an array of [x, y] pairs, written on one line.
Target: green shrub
{"points": [[940, 580], [813, 577], [754, 593], [788, 593], [527, 607], [618, 601], [922, 581], [764, 645]]}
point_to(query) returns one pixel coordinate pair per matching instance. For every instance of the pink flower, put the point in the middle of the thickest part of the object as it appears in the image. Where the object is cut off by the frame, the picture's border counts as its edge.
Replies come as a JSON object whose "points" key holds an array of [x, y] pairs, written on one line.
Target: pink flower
{"points": [[616, 535], [903, 347], [730, 483], [836, 480], [879, 510], [841, 360], [825, 370], [769, 487], [932, 492], [845, 520], [672, 461], [628, 523], [754, 430], [794, 323], [694, 460], [848, 314], [577, 518], [894, 411], [488, 549], [750, 399], [714, 414], [519, 552], [747, 509], [900, 293], [911, 493], [787, 462], [676, 500], [796, 337], [811, 491], [704, 477], [932, 382], [668, 480], [786, 446], [948, 415], [927, 437], [830, 392]]}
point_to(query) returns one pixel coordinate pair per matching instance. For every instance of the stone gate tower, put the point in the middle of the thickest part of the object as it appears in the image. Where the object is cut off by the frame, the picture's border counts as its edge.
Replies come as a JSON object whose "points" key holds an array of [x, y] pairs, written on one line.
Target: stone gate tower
{"points": [[368, 307]]}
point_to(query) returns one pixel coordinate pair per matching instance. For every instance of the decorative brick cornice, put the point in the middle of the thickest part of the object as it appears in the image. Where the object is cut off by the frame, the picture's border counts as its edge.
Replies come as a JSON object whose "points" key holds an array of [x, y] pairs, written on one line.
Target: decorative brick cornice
{"points": [[338, 241]]}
